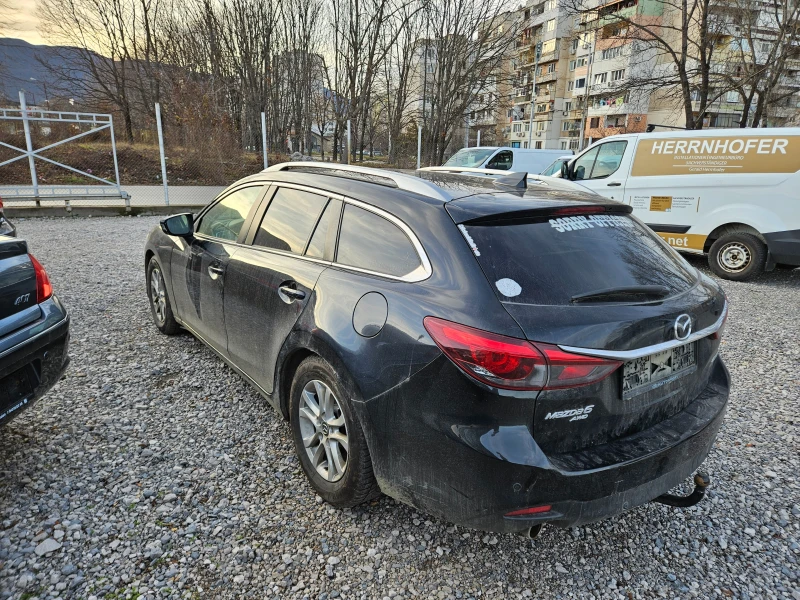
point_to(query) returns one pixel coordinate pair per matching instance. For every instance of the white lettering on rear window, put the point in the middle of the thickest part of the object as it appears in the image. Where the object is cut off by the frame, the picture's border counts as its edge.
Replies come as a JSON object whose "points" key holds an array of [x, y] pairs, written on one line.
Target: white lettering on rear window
{"points": [[469, 239], [563, 224]]}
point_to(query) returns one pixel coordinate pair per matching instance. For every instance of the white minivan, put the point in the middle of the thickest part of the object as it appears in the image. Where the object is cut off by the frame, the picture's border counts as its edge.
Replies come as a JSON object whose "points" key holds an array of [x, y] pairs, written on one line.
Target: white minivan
{"points": [[731, 193], [503, 159]]}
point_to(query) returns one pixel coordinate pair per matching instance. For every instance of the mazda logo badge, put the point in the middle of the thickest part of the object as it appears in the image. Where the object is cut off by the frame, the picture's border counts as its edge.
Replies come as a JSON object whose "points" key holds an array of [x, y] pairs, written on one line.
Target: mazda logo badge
{"points": [[683, 327]]}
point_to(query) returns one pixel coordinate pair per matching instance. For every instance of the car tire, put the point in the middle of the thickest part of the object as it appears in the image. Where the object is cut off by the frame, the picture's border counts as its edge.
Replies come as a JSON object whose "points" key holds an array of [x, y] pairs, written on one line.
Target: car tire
{"points": [[332, 434], [160, 306], [737, 256]]}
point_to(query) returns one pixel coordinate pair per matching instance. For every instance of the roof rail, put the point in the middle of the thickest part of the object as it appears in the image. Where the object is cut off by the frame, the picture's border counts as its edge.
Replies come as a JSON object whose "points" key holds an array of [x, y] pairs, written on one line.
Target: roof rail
{"points": [[409, 183]]}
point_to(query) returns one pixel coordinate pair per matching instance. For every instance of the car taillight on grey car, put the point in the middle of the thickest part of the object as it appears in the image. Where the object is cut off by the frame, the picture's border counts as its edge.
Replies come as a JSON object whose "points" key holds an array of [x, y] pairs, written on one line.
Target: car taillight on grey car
{"points": [[497, 352]]}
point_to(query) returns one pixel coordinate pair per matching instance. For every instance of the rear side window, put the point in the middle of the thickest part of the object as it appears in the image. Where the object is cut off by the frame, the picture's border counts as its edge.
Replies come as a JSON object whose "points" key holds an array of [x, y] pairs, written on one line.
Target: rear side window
{"points": [[224, 220], [289, 220], [548, 261], [368, 241]]}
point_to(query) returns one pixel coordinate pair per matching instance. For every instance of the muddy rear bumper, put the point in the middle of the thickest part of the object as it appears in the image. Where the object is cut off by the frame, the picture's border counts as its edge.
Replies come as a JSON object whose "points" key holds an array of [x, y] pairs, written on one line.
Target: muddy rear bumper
{"points": [[474, 474]]}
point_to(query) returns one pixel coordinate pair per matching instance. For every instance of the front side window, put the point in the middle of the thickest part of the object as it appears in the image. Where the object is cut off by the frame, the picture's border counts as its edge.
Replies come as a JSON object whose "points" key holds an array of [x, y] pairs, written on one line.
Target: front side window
{"points": [[224, 220], [601, 161], [583, 165], [289, 220], [503, 160], [368, 241], [609, 156]]}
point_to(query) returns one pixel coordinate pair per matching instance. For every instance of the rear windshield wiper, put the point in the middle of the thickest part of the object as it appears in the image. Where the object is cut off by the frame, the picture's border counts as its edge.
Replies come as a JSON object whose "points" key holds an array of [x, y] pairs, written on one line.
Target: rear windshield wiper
{"points": [[623, 294]]}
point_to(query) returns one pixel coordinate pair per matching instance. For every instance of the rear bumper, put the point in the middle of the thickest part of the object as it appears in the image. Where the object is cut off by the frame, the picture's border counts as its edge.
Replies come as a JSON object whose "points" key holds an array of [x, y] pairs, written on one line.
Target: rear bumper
{"points": [[784, 247], [35, 362], [475, 474]]}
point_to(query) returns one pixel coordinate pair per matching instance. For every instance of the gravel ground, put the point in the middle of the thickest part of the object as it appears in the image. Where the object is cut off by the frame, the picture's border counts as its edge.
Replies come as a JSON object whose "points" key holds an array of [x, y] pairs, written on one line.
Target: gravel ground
{"points": [[153, 470]]}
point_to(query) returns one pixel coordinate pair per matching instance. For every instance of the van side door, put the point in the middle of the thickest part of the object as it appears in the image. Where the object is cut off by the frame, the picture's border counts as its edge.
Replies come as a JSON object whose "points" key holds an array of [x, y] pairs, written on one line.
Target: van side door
{"points": [[604, 167]]}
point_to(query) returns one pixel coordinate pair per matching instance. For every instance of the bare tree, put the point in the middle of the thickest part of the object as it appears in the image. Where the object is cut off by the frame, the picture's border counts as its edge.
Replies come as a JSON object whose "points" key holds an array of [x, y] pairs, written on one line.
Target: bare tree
{"points": [[673, 51], [467, 44], [768, 36]]}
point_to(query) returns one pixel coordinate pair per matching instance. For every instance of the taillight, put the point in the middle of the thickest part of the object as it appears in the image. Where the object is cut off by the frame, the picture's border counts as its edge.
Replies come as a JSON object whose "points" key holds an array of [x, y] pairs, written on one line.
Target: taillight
{"points": [[1, 204], [511, 363], [571, 370], [44, 289]]}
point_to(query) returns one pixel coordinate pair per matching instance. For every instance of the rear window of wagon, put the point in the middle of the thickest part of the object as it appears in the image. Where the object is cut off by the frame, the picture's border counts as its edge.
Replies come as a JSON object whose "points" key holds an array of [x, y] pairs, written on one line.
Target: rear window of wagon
{"points": [[547, 261]]}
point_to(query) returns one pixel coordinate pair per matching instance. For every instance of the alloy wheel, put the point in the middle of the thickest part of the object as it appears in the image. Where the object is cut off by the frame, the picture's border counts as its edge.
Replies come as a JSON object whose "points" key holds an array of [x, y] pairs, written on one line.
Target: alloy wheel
{"points": [[324, 430], [158, 296]]}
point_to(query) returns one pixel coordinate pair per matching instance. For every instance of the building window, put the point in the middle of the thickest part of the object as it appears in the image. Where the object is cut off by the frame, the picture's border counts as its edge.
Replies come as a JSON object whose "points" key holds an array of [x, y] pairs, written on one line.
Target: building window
{"points": [[580, 83], [616, 120], [550, 5], [540, 125], [517, 127], [581, 62], [548, 47], [524, 145], [538, 145], [551, 25], [600, 78], [565, 126], [572, 65], [573, 144], [574, 45], [515, 144], [563, 145], [617, 75], [551, 67], [611, 53], [568, 106], [594, 122], [570, 85]]}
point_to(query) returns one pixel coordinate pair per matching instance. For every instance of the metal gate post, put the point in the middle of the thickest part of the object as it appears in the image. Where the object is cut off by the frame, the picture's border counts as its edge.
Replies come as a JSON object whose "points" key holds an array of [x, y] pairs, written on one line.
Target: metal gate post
{"points": [[264, 138], [161, 152], [114, 151], [419, 144], [29, 145]]}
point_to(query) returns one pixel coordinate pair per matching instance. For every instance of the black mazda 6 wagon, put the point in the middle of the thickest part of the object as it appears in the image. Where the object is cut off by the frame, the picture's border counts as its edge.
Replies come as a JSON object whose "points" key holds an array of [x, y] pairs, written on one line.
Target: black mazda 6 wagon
{"points": [[499, 352]]}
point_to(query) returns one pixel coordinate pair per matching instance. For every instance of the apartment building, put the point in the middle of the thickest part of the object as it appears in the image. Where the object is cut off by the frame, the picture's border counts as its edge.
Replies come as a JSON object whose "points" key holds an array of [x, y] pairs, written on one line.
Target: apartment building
{"points": [[539, 100]]}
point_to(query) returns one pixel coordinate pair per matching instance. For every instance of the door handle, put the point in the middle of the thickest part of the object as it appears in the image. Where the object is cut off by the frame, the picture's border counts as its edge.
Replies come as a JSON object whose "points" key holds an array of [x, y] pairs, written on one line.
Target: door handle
{"points": [[614, 184], [289, 294], [214, 271]]}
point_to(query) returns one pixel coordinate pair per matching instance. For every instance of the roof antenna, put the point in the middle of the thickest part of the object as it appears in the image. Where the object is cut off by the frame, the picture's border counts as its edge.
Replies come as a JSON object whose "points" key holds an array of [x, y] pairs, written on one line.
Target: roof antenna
{"points": [[517, 180]]}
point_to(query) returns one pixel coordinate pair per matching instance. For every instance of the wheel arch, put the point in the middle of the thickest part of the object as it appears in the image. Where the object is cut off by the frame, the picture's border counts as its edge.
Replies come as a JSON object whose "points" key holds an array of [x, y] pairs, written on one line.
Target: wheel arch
{"points": [[297, 347], [727, 228]]}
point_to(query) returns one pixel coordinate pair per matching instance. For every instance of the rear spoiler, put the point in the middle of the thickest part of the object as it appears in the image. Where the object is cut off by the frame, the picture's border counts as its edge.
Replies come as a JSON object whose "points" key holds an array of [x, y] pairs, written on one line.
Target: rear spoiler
{"points": [[498, 212], [12, 247]]}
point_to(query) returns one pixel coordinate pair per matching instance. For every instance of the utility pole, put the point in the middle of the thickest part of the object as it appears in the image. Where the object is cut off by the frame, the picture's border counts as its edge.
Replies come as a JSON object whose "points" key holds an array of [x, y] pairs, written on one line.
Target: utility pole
{"points": [[537, 56]]}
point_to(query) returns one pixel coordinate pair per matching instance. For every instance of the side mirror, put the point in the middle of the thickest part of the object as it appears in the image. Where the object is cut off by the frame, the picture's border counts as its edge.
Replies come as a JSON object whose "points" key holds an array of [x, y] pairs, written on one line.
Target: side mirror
{"points": [[179, 225]]}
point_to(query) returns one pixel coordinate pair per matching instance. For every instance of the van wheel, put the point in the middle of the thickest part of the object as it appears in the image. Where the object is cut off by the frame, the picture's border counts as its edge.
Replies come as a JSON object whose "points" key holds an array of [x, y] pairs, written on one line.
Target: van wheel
{"points": [[737, 256]]}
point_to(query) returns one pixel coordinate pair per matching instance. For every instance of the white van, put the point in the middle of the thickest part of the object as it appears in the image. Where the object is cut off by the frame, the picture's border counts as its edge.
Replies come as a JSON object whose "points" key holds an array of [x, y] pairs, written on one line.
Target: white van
{"points": [[503, 159], [731, 193]]}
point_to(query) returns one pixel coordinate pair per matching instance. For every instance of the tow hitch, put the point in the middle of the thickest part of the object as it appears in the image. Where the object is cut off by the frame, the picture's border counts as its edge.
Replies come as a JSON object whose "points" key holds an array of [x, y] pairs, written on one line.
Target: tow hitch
{"points": [[701, 482]]}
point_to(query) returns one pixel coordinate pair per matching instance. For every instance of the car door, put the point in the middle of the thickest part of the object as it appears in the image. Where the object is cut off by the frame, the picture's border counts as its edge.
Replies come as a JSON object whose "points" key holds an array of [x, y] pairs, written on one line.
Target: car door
{"points": [[601, 169], [198, 267], [271, 280]]}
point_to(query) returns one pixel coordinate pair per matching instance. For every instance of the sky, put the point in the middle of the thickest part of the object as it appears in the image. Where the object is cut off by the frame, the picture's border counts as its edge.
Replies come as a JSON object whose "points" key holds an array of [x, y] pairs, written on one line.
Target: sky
{"points": [[23, 14]]}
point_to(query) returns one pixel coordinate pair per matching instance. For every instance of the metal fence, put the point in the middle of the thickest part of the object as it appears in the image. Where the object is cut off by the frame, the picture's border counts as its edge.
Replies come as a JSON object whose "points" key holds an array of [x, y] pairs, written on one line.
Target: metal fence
{"points": [[65, 158]]}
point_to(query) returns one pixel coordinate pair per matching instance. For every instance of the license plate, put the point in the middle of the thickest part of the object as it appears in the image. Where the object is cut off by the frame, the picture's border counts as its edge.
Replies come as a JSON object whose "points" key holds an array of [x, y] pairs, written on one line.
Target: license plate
{"points": [[642, 374]]}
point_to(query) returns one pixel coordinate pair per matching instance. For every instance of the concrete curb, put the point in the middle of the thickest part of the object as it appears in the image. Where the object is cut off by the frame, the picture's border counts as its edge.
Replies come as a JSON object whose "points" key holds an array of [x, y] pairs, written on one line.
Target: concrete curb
{"points": [[26, 212]]}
